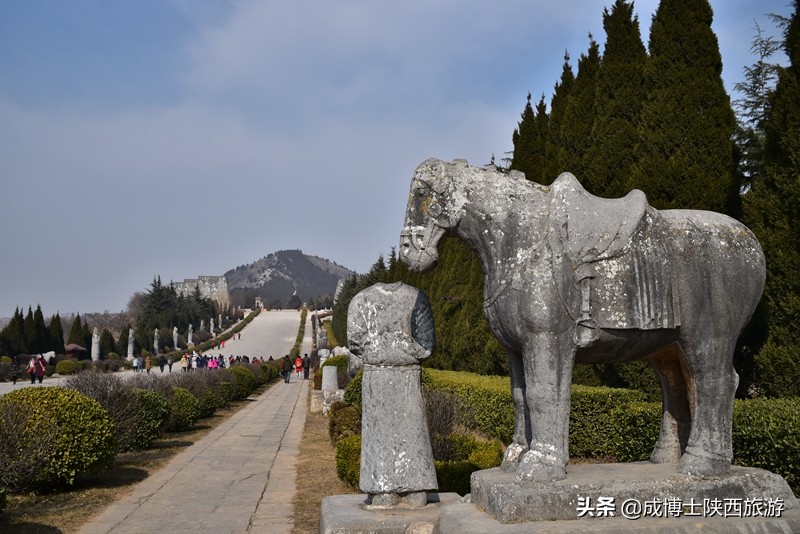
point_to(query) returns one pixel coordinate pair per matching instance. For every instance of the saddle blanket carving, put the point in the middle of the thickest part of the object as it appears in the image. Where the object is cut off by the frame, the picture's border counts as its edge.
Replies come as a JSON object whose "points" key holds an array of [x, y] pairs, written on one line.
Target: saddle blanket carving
{"points": [[622, 247]]}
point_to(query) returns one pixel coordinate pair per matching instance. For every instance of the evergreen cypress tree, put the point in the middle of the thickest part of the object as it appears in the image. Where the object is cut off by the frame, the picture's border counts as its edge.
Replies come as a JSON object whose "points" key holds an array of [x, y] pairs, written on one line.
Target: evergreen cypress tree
{"points": [[76, 332], [42, 334], [107, 344], [86, 336], [576, 128], [530, 141], [618, 104], [558, 107], [29, 330], [56, 335], [772, 209], [685, 154], [13, 335]]}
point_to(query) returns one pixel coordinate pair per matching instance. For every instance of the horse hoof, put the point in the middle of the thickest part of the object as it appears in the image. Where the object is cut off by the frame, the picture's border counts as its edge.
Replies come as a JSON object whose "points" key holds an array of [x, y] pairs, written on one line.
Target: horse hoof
{"points": [[695, 465], [666, 455], [535, 466]]}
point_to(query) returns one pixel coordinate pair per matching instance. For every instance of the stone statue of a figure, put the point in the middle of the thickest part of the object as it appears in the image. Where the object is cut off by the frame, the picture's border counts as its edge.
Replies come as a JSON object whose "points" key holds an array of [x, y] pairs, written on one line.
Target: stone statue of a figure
{"points": [[212, 327], [202, 324], [155, 343], [174, 338], [390, 326], [130, 343], [95, 345], [189, 336]]}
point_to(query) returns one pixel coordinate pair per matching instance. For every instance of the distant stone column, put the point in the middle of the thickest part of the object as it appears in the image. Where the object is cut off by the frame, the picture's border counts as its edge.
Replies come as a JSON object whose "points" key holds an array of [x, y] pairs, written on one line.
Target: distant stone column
{"points": [[131, 340], [95, 345], [391, 327]]}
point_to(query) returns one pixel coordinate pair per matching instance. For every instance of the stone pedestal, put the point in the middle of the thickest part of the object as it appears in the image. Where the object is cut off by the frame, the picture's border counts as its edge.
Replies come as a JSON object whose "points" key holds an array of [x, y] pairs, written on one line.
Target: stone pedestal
{"points": [[350, 514], [330, 378], [627, 496]]}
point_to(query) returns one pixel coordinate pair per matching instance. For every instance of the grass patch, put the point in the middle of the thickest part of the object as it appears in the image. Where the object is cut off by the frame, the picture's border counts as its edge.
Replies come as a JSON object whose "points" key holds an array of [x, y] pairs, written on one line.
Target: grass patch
{"points": [[316, 474], [66, 510]]}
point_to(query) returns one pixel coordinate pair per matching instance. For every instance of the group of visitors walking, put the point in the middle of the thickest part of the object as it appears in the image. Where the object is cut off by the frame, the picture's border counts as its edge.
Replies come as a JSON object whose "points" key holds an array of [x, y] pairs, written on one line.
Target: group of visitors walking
{"points": [[36, 369], [299, 366]]}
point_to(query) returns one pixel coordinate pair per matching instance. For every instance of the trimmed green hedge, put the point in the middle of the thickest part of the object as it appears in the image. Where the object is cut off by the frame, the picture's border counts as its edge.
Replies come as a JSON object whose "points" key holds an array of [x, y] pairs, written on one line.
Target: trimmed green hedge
{"points": [[85, 441], [152, 415], [615, 423], [184, 410], [348, 460], [66, 367]]}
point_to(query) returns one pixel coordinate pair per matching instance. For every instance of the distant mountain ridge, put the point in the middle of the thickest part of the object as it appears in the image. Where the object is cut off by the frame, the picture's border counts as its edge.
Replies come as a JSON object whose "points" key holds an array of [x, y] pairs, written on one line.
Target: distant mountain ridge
{"points": [[275, 278]]}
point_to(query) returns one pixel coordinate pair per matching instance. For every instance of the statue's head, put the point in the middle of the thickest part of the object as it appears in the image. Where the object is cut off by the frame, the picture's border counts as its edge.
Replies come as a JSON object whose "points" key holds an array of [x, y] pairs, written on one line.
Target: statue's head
{"points": [[433, 210]]}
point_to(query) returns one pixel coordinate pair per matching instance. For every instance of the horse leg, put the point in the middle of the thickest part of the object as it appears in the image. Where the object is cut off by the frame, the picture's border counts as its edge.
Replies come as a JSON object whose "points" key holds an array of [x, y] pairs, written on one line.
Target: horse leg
{"points": [[548, 361], [676, 417], [522, 427], [712, 388]]}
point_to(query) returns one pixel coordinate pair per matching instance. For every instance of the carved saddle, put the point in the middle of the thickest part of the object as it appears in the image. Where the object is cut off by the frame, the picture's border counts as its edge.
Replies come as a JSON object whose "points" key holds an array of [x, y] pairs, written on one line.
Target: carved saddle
{"points": [[617, 272]]}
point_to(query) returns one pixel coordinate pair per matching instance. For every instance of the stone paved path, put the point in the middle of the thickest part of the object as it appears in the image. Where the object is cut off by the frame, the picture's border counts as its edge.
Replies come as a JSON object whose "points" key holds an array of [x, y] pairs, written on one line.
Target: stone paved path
{"points": [[240, 477]]}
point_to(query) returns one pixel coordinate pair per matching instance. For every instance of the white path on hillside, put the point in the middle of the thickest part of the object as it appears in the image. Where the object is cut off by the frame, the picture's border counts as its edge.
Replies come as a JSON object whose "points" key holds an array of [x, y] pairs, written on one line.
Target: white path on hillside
{"points": [[240, 477]]}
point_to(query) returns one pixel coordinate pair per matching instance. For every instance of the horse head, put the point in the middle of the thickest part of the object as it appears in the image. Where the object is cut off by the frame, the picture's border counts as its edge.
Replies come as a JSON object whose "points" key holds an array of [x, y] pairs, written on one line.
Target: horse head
{"points": [[432, 213]]}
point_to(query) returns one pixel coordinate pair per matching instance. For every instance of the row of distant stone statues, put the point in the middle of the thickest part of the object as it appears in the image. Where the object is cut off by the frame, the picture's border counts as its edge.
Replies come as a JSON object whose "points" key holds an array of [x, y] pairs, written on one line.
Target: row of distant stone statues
{"points": [[156, 344]]}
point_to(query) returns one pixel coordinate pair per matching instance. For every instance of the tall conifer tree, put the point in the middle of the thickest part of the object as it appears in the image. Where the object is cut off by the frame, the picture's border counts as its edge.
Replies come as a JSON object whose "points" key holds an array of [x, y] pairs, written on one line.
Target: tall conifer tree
{"points": [[76, 332], [576, 127], [685, 150], [618, 103], [56, 335], [772, 209], [558, 107], [530, 140]]}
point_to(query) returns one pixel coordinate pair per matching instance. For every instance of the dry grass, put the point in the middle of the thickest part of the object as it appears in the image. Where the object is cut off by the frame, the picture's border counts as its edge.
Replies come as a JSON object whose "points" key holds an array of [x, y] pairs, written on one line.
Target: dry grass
{"points": [[316, 474], [65, 511]]}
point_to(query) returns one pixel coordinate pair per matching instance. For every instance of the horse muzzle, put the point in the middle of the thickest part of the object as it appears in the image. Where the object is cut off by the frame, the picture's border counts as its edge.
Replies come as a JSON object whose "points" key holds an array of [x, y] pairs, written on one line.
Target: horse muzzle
{"points": [[418, 247]]}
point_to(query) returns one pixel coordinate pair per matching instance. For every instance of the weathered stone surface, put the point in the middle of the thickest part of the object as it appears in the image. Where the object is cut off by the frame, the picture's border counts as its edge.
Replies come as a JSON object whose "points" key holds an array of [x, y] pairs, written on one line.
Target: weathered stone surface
{"points": [[317, 400], [350, 514], [508, 500], [467, 519], [323, 354], [391, 327], [329, 398], [155, 342], [330, 378], [131, 340], [573, 278], [95, 345]]}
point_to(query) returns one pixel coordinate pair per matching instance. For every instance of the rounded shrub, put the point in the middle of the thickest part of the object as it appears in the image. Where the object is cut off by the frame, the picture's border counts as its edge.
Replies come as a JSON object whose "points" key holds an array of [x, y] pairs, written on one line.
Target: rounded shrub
{"points": [[67, 367], [352, 395], [85, 439], [344, 421], [152, 415], [184, 410], [348, 460], [245, 381], [5, 359]]}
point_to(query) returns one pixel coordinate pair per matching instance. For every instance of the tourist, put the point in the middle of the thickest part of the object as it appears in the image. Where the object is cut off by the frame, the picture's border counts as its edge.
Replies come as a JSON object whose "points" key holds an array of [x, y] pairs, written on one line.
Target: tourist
{"points": [[161, 362], [135, 364], [147, 364], [169, 363], [32, 369], [41, 365], [306, 365], [185, 362], [286, 369], [14, 370], [298, 366]]}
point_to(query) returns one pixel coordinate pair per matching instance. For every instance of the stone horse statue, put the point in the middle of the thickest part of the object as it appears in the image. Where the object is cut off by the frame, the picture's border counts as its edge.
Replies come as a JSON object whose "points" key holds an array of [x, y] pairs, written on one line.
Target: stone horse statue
{"points": [[573, 278]]}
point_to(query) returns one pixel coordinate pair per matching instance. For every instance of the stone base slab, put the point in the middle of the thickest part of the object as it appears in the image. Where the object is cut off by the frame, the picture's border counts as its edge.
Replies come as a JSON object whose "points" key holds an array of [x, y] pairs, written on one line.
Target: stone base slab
{"points": [[317, 399], [349, 514], [467, 519], [507, 500]]}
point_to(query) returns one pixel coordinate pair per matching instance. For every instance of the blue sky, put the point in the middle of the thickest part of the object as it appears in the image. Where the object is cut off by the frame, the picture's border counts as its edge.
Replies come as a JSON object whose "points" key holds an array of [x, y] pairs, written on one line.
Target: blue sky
{"points": [[182, 138]]}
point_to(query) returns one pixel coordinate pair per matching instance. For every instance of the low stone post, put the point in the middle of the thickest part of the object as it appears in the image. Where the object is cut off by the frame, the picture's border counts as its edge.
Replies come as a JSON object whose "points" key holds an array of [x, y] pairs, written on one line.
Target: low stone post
{"points": [[391, 327]]}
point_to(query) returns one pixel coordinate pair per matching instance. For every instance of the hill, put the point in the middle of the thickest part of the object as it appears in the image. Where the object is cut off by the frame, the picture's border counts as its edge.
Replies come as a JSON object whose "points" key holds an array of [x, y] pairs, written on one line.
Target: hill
{"points": [[280, 275]]}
